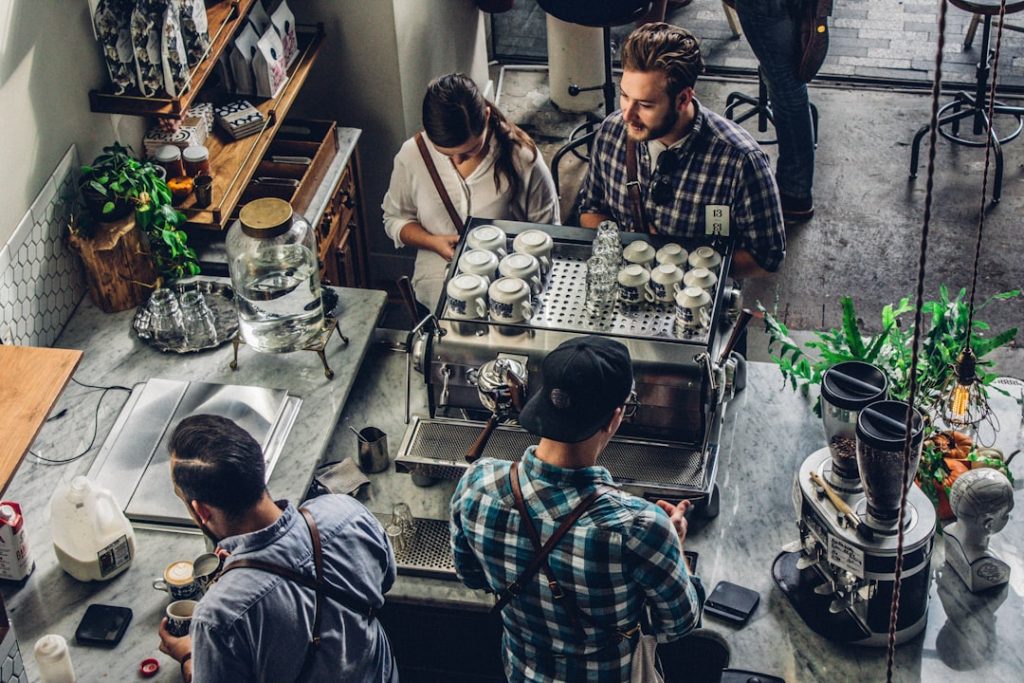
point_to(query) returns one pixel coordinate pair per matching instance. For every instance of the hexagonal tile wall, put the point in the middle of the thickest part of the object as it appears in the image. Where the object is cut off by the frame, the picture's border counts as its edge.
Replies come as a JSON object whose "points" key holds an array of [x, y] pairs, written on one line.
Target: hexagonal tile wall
{"points": [[41, 278]]}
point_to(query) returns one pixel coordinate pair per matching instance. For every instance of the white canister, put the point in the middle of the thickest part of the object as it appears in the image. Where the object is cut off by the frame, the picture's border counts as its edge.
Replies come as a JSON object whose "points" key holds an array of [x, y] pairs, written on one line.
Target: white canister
{"points": [[672, 253], [54, 660], [524, 267], [634, 285], [467, 296], [489, 238], [510, 300], [705, 257], [536, 243], [479, 262], [703, 278], [666, 280], [639, 252], [92, 538]]}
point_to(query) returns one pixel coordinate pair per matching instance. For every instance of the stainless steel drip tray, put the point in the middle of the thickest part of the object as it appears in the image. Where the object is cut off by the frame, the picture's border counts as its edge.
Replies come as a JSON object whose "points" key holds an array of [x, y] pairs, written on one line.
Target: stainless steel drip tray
{"points": [[134, 463], [436, 448]]}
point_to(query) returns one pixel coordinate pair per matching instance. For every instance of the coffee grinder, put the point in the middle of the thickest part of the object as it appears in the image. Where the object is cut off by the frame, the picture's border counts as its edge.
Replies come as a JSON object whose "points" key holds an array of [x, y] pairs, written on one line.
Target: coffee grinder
{"points": [[840, 574]]}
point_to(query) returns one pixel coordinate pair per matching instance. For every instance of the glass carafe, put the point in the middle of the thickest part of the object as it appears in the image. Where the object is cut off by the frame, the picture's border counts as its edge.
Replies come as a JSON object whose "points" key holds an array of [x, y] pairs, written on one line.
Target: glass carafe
{"points": [[272, 259]]}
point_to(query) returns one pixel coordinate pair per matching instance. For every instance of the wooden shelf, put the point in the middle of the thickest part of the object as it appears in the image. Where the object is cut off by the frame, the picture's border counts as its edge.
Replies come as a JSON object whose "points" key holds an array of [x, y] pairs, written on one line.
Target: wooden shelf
{"points": [[223, 18], [233, 162]]}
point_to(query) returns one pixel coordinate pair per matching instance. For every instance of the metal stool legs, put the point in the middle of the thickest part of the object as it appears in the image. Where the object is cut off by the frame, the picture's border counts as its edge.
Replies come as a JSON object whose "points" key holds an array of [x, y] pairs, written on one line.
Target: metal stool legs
{"points": [[975, 106], [762, 108]]}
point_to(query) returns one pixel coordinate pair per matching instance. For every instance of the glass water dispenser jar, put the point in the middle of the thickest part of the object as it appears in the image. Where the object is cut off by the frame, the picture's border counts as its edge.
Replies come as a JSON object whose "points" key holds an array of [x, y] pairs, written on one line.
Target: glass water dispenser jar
{"points": [[272, 258]]}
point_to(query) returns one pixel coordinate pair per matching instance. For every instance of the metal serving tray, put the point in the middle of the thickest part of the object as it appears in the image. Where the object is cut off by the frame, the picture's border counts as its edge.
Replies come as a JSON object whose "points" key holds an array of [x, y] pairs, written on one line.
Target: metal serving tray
{"points": [[562, 305]]}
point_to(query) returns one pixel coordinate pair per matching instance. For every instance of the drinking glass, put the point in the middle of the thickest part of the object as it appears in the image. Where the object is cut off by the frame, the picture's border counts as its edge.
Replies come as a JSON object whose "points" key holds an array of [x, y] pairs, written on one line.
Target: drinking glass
{"points": [[197, 320], [402, 516], [601, 282], [399, 541], [165, 316]]}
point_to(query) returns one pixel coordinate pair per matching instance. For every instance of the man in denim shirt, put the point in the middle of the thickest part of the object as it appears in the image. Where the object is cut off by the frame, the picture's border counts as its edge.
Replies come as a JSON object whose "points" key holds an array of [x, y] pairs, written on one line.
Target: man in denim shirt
{"points": [[621, 554], [253, 625]]}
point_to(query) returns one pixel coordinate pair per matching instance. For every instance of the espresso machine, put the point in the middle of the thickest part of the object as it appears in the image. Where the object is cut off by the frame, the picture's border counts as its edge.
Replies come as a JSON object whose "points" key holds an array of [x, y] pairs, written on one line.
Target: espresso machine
{"points": [[840, 574], [668, 450]]}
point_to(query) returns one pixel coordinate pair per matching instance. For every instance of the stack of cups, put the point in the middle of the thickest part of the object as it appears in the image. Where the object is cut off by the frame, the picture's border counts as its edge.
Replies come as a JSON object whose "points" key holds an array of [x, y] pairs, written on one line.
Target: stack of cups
{"points": [[607, 244], [601, 284]]}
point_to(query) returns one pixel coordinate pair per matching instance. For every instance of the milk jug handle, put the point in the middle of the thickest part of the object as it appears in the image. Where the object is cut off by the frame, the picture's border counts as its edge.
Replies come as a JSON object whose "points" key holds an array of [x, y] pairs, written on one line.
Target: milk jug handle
{"points": [[107, 511]]}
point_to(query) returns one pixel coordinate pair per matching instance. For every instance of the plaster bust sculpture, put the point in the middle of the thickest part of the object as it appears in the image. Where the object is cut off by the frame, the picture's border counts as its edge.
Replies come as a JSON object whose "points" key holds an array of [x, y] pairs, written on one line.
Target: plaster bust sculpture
{"points": [[981, 500]]}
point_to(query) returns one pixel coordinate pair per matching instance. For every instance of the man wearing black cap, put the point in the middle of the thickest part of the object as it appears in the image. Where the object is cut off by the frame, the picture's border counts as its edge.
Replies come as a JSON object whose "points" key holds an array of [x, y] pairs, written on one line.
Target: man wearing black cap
{"points": [[572, 616]]}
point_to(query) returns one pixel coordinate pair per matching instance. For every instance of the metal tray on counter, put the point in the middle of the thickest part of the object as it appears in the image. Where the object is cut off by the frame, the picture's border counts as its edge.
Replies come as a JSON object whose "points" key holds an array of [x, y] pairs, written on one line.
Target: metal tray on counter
{"points": [[220, 298]]}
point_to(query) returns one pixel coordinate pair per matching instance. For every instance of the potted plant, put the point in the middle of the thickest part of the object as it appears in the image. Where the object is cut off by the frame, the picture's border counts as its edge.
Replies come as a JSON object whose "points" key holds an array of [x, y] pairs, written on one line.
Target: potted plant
{"points": [[890, 350], [111, 182], [124, 258]]}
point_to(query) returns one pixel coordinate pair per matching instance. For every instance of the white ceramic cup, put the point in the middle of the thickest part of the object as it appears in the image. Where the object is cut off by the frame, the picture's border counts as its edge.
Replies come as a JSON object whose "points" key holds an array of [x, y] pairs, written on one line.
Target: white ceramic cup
{"points": [[489, 238], [467, 296], [510, 300], [672, 253], [524, 267], [705, 257], [639, 252], [693, 309], [635, 285], [666, 280], [479, 262], [703, 278], [179, 581], [536, 243]]}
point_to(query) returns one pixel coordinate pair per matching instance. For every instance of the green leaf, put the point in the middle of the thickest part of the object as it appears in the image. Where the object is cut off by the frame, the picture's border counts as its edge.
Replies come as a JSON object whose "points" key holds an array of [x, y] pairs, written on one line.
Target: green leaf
{"points": [[108, 207], [98, 187], [983, 346], [850, 328]]}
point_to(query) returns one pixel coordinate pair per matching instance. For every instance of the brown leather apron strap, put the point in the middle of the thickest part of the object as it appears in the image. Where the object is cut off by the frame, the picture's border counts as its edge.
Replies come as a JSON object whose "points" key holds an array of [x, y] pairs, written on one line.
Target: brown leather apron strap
{"points": [[543, 550], [319, 586], [636, 203], [460, 227]]}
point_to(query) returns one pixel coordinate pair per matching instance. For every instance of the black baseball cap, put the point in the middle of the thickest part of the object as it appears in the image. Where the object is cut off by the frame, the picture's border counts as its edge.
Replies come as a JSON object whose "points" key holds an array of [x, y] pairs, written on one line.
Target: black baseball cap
{"points": [[585, 380]]}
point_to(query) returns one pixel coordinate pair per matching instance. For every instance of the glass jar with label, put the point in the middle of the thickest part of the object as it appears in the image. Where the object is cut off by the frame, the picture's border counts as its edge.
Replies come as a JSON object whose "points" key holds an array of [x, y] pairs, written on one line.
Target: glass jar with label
{"points": [[197, 161], [169, 158], [272, 258]]}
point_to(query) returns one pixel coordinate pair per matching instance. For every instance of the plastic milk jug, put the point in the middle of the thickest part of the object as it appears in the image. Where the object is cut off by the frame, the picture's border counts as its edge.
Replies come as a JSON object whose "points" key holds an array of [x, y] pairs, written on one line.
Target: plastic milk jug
{"points": [[91, 536]]}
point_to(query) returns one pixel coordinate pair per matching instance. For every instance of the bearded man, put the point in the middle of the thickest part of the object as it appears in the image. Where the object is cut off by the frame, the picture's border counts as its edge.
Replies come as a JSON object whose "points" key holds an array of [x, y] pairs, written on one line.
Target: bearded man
{"points": [[666, 165]]}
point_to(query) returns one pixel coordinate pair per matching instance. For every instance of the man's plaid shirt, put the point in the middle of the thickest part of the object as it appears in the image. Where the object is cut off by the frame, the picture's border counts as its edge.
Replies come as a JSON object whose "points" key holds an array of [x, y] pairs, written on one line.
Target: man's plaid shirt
{"points": [[719, 164], [622, 552]]}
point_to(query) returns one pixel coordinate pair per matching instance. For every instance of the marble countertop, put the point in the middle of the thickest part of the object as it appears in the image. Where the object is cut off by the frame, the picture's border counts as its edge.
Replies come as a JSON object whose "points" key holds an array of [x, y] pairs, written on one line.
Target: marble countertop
{"points": [[50, 601], [769, 432]]}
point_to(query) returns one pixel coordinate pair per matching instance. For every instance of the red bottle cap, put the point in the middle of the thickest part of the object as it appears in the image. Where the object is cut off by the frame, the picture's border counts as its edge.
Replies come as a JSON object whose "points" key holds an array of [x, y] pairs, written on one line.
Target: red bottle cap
{"points": [[149, 667]]}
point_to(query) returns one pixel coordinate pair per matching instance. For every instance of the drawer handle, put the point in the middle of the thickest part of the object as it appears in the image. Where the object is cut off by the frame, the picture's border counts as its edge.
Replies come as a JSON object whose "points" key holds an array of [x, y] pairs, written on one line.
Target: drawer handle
{"points": [[347, 201]]}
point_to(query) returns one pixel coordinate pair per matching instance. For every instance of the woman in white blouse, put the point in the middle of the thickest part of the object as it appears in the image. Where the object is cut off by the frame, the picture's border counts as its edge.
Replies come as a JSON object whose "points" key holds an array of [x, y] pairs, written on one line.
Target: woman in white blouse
{"points": [[489, 167]]}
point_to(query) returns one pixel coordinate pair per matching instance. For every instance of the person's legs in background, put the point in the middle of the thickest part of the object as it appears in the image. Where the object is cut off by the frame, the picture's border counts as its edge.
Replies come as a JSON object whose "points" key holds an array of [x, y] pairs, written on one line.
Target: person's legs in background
{"points": [[771, 28]]}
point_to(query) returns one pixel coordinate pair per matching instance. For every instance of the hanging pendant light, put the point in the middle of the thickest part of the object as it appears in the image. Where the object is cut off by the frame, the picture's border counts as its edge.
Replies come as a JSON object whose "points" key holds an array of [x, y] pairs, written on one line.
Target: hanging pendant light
{"points": [[964, 403]]}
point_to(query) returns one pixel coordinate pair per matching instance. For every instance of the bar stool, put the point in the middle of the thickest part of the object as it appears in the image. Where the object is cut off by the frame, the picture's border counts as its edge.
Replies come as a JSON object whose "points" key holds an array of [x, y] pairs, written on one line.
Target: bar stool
{"points": [[975, 105], [601, 15], [762, 108]]}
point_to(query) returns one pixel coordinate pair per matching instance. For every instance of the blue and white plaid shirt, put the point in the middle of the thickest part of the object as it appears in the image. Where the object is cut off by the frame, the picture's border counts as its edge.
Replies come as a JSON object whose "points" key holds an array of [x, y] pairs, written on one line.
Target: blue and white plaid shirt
{"points": [[622, 552], [720, 164]]}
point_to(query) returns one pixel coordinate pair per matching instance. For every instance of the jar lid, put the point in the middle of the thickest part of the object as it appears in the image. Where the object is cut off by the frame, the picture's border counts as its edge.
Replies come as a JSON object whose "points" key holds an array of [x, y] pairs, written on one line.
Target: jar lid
{"points": [[194, 153], [166, 153], [882, 425], [265, 218], [853, 385]]}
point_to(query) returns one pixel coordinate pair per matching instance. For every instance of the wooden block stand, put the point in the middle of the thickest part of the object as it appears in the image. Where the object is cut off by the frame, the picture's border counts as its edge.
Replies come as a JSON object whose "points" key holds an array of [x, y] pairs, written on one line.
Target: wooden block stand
{"points": [[118, 267]]}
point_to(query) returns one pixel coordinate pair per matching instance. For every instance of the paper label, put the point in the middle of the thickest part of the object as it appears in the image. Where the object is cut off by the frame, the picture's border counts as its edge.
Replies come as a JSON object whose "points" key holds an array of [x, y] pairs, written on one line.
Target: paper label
{"points": [[846, 556], [716, 220], [115, 556]]}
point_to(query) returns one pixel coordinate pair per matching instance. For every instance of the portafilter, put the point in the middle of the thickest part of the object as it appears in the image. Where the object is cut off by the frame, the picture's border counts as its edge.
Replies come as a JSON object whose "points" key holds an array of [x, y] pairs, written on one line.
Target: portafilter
{"points": [[501, 386]]}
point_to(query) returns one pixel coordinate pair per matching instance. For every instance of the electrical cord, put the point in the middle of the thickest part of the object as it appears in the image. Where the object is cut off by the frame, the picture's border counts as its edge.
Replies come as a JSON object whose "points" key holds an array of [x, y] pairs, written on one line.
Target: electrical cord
{"points": [[53, 462]]}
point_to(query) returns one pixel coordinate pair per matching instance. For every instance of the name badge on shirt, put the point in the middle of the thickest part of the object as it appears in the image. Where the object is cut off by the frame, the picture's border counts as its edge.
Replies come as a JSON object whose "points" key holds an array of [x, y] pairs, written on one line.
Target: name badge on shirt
{"points": [[716, 219]]}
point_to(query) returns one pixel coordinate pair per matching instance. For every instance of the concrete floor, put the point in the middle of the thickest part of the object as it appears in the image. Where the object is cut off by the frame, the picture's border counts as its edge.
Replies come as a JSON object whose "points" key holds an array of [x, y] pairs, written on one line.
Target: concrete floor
{"points": [[865, 237]]}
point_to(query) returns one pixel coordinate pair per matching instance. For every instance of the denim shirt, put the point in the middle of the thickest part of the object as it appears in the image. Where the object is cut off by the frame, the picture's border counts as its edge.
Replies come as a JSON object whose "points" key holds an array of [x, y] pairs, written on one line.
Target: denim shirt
{"points": [[255, 626]]}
